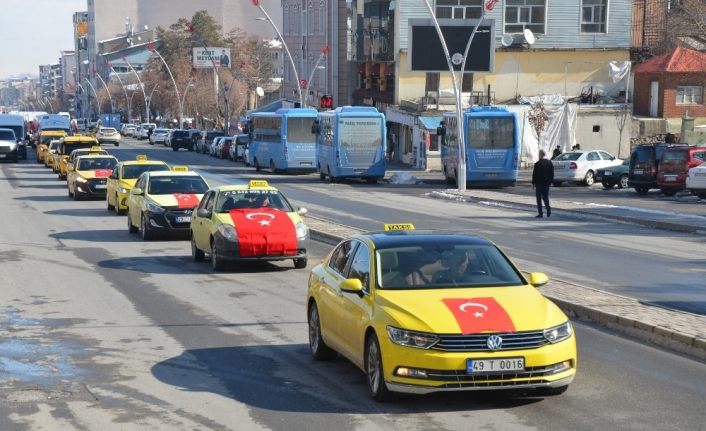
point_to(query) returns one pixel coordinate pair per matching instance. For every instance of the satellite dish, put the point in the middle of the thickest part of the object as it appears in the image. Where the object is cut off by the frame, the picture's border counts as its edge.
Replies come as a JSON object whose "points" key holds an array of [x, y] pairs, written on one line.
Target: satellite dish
{"points": [[260, 92], [529, 36], [507, 40]]}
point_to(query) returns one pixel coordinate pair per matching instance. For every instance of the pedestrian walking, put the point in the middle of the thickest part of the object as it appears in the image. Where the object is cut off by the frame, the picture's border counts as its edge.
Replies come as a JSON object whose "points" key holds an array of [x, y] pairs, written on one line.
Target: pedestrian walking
{"points": [[542, 177], [557, 152]]}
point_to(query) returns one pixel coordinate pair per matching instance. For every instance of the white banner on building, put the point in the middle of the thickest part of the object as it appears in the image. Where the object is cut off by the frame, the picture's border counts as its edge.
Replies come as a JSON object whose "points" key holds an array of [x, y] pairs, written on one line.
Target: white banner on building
{"points": [[209, 57]]}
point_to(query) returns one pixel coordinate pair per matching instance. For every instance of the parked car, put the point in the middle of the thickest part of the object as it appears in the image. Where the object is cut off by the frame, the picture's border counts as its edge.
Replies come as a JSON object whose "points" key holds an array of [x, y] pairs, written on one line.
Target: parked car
{"points": [[644, 164], [108, 135], [180, 138], [696, 180], [195, 135], [158, 136], [674, 167], [206, 138], [614, 175], [128, 129], [223, 150], [212, 148], [581, 166], [238, 147], [143, 131]]}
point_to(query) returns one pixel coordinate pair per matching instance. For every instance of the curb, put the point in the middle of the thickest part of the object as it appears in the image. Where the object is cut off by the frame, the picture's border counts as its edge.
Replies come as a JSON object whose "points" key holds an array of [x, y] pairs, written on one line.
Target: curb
{"points": [[654, 334]]}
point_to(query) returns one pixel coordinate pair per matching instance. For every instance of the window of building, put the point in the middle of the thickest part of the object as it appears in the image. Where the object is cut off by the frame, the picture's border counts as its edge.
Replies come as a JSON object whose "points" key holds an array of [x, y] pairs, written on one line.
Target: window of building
{"points": [[285, 21], [294, 22], [524, 14], [310, 19], [459, 9], [432, 81], [467, 84], [322, 17], [593, 16], [690, 95]]}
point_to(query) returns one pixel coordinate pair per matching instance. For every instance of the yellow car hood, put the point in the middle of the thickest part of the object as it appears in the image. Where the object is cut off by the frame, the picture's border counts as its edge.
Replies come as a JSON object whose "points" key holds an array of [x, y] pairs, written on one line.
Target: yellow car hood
{"points": [[189, 202], [128, 184], [449, 311]]}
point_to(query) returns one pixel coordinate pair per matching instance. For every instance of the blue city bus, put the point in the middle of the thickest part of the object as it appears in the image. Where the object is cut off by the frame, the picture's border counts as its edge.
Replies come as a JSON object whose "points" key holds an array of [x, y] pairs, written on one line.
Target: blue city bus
{"points": [[282, 140], [351, 143], [492, 146]]}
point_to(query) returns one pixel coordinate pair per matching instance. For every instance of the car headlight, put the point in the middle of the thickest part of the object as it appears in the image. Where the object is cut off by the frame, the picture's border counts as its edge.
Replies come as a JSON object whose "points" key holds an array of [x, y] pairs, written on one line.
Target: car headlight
{"points": [[419, 340], [81, 180], [156, 209], [123, 190], [228, 232], [302, 230], [558, 333]]}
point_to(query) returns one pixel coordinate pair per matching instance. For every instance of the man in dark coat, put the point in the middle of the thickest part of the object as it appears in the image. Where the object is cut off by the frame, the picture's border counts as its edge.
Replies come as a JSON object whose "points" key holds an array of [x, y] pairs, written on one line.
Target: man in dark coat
{"points": [[542, 178]]}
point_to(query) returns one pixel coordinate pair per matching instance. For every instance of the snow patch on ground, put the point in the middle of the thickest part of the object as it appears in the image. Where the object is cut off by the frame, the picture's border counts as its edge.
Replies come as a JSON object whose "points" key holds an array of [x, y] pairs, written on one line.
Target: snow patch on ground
{"points": [[403, 178]]}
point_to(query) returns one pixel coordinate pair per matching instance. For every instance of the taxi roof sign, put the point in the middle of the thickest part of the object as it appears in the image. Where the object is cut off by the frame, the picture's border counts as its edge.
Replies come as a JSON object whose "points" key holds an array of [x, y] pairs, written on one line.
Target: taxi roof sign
{"points": [[141, 158], [258, 183], [398, 226], [96, 148], [180, 168]]}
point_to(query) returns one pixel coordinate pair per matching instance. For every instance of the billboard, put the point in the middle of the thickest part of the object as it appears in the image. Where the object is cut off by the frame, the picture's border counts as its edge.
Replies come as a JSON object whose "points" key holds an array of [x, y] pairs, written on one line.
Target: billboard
{"points": [[209, 57], [427, 54]]}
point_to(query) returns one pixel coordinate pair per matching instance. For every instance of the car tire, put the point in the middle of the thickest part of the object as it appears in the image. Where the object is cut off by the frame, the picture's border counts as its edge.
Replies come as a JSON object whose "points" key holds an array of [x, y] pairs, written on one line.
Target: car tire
{"points": [[272, 166], [331, 178], [623, 182], [151, 143], [216, 263], [117, 144], [371, 180], [257, 165], [589, 179], [197, 254], [145, 230], [374, 371], [300, 263], [71, 195], [322, 176], [700, 195], [76, 196], [109, 205], [642, 190], [175, 148], [317, 346], [557, 183], [669, 192], [130, 227], [607, 185]]}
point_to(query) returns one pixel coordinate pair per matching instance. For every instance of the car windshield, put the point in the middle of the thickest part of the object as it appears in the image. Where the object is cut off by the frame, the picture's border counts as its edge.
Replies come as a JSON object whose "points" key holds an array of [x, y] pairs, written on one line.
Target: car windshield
{"points": [[7, 135], [130, 172], [244, 199], [444, 264], [567, 156], [94, 163], [177, 184], [54, 145]]}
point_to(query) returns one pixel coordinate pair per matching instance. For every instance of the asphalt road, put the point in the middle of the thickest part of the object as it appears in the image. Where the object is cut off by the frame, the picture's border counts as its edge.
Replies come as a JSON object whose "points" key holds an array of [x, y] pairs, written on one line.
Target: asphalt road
{"points": [[101, 330]]}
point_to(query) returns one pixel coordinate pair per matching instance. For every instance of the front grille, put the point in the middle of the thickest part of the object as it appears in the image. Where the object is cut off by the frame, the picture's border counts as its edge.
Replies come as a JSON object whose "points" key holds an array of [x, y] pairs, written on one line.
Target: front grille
{"points": [[478, 342], [495, 379], [92, 183], [171, 216], [5, 150]]}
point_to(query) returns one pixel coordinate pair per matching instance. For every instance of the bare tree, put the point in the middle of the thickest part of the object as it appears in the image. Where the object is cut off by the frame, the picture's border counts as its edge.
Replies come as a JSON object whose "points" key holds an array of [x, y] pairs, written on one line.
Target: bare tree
{"points": [[538, 119]]}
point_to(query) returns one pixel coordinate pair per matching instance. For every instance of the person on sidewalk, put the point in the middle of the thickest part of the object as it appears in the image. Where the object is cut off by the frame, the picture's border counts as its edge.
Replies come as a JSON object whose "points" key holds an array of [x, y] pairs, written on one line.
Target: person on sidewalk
{"points": [[557, 152], [542, 177]]}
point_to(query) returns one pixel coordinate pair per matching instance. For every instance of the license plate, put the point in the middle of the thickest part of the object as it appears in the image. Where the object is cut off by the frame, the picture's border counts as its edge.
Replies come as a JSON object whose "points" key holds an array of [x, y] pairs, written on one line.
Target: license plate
{"points": [[359, 171], [638, 172], [304, 163], [670, 177], [475, 366], [99, 186], [184, 219], [490, 174], [2, 156], [701, 174], [608, 173]]}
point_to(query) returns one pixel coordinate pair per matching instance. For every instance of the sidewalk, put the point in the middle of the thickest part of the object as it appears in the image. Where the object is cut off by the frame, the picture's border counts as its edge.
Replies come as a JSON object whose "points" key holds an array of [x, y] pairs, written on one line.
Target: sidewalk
{"points": [[676, 330]]}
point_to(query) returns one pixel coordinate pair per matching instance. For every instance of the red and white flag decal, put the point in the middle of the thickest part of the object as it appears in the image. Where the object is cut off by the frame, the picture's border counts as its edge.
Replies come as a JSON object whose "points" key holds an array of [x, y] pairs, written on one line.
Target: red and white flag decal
{"points": [[102, 173], [475, 315], [490, 5], [264, 232], [186, 200]]}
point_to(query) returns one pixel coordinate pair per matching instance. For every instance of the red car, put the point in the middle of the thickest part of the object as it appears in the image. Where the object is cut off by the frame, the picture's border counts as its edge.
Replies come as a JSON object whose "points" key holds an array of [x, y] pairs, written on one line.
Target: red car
{"points": [[674, 167]]}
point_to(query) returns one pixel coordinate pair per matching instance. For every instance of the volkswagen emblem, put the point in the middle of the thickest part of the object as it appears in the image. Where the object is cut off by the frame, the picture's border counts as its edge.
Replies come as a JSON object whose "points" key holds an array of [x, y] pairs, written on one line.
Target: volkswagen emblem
{"points": [[495, 342]]}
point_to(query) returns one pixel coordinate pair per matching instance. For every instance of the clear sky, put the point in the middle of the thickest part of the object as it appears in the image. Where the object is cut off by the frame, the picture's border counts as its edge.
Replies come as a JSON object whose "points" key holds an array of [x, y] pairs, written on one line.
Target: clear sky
{"points": [[33, 32]]}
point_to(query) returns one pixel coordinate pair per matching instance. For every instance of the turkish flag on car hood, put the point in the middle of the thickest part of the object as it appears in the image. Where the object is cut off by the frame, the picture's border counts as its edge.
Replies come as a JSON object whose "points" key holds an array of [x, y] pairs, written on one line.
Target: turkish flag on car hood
{"points": [[103, 173], [186, 200], [475, 315], [264, 232]]}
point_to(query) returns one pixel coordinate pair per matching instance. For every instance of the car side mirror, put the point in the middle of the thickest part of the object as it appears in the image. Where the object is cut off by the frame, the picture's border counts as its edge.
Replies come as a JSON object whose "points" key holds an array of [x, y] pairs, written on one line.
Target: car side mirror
{"points": [[352, 285], [203, 213], [538, 279], [302, 211], [137, 191]]}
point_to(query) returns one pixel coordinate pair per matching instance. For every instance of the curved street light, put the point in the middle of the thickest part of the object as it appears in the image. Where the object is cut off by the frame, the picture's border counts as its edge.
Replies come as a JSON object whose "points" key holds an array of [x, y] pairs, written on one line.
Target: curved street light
{"points": [[142, 87], [107, 90], [151, 47], [128, 101]]}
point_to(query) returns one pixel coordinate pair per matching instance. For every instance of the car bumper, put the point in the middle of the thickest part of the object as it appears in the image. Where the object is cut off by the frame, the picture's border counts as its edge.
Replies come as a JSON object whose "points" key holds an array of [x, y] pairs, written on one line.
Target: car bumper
{"points": [[230, 251], [85, 190], [170, 222], [549, 366], [110, 140], [569, 175], [9, 154]]}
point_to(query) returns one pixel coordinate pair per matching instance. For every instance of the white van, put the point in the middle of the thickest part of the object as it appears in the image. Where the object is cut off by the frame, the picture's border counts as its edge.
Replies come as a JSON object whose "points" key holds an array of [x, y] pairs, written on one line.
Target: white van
{"points": [[17, 124]]}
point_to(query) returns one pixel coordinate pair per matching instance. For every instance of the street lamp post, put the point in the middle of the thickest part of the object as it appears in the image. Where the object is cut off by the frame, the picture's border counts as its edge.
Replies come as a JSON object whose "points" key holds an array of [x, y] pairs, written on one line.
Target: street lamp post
{"points": [[149, 99], [107, 90], [51, 108], [98, 102], [256, 3], [324, 52], [151, 47], [127, 101], [142, 87]]}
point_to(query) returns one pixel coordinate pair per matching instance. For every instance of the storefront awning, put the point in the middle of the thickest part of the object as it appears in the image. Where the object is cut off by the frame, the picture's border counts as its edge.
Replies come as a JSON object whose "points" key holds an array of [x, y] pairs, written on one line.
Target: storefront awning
{"points": [[430, 123]]}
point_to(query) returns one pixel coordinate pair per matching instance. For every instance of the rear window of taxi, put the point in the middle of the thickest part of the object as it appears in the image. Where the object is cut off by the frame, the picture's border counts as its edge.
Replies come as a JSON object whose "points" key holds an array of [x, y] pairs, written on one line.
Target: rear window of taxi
{"points": [[130, 172], [177, 184]]}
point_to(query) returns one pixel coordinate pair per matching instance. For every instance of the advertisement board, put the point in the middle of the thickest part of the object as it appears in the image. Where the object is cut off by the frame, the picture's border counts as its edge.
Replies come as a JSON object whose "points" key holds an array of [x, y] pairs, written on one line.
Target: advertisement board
{"points": [[209, 57]]}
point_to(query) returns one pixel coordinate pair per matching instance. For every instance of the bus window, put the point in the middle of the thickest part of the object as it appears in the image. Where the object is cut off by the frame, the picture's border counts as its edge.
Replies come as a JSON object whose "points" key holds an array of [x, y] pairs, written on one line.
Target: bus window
{"points": [[299, 130], [360, 132], [491, 132]]}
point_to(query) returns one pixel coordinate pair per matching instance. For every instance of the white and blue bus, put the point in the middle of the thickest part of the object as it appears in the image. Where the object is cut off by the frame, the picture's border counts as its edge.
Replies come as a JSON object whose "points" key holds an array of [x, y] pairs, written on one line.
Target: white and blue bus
{"points": [[351, 143], [282, 140], [492, 147]]}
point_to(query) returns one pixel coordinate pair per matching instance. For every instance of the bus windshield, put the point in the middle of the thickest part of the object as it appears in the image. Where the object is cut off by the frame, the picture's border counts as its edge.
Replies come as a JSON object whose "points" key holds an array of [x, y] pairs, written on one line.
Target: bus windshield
{"points": [[491, 132], [360, 132], [299, 130]]}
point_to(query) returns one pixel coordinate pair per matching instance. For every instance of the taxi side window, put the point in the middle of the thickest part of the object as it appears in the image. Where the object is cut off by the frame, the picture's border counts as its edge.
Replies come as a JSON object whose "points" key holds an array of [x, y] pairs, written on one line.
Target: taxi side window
{"points": [[360, 266], [140, 184], [340, 257], [114, 175], [593, 156], [208, 201]]}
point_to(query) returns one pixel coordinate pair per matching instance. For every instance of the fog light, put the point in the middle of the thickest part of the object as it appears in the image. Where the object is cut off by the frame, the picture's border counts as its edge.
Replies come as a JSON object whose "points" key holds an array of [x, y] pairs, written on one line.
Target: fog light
{"points": [[154, 223], [411, 372]]}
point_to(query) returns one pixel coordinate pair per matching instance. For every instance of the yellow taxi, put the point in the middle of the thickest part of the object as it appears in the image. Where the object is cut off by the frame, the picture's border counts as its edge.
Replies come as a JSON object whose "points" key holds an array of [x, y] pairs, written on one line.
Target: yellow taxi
{"points": [[88, 175], [67, 146], [424, 311], [162, 202], [43, 141], [123, 180], [49, 157], [245, 222]]}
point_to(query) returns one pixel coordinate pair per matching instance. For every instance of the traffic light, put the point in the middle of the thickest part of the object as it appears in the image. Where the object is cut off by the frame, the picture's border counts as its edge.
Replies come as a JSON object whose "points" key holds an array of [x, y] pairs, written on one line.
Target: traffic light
{"points": [[326, 102]]}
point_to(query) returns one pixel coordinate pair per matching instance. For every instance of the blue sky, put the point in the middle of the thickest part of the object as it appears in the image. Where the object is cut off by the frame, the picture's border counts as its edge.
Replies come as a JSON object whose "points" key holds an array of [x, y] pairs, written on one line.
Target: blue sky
{"points": [[33, 33]]}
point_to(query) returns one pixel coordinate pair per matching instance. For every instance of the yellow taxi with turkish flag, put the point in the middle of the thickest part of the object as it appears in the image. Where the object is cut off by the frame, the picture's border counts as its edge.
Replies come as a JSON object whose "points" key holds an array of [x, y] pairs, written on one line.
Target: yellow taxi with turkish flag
{"points": [[87, 176], [124, 177], [68, 145], [43, 140], [424, 311], [252, 221]]}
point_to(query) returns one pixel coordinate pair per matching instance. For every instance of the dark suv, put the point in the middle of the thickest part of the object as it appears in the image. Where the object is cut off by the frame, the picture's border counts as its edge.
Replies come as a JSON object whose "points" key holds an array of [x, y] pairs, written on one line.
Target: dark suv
{"points": [[181, 138], [644, 164], [207, 138], [674, 167]]}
